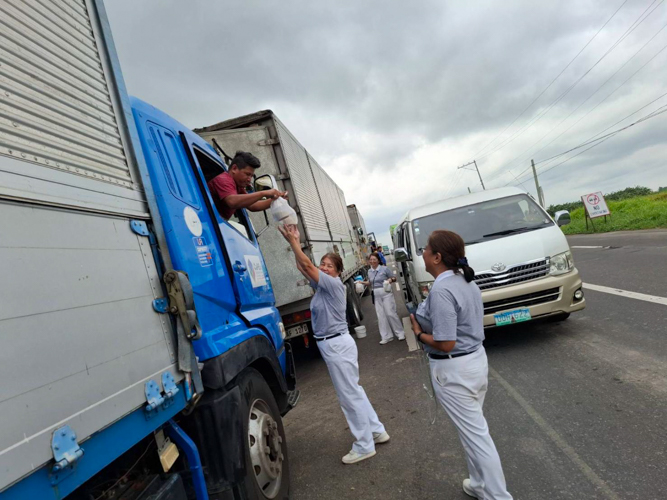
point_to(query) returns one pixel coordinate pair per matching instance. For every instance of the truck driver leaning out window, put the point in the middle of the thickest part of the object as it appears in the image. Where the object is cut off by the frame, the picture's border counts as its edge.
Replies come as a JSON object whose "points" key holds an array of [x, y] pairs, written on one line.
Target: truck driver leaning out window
{"points": [[229, 188]]}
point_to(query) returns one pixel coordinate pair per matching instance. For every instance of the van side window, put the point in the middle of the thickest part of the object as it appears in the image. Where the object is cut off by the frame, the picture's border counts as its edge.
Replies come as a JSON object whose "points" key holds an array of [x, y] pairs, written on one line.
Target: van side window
{"points": [[211, 169]]}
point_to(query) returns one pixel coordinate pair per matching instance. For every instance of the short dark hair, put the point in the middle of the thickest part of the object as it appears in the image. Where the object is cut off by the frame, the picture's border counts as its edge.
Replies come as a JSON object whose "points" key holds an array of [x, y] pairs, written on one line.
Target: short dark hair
{"points": [[335, 260], [243, 159], [376, 255]]}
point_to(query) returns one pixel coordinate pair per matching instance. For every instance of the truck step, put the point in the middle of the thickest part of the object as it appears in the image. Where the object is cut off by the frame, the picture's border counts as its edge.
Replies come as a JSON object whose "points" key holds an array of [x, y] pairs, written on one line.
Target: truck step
{"points": [[293, 397]]}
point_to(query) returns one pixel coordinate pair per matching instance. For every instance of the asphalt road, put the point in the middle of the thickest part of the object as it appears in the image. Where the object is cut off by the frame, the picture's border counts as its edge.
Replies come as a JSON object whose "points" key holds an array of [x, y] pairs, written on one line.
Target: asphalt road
{"points": [[578, 409]]}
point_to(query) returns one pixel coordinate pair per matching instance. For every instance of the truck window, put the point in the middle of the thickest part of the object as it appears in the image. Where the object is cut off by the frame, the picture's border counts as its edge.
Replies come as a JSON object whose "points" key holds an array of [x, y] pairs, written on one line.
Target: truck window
{"points": [[171, 155], [210, 169]]}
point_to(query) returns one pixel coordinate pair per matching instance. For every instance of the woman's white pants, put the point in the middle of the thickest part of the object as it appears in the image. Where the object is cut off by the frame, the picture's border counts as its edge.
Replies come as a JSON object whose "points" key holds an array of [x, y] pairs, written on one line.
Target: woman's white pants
{"points": [[341, 356], [388, 321], [460, 385]]}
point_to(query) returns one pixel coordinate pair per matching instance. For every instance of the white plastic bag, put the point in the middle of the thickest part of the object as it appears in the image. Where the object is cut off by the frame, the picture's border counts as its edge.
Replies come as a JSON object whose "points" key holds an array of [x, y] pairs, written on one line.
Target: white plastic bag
{"points": [[387, 286], [283, 213]]}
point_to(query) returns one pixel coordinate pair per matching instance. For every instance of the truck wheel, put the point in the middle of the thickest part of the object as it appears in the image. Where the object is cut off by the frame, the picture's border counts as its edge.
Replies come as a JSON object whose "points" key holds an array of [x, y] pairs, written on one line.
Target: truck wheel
{"points": [[265, 447], [354, 314]]}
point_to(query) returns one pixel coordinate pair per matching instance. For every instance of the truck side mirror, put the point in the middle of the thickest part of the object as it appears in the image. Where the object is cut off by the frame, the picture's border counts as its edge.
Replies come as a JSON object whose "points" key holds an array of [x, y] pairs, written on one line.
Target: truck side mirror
{"points": [[401, 255], [562, 218], [265, 182]]}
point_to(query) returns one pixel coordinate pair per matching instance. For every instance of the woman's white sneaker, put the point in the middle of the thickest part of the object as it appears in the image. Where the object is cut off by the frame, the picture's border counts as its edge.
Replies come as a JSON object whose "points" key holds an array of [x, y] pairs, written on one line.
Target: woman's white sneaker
{"points": [[386, 341], [380, 437], [353, 457], [467, 489]]}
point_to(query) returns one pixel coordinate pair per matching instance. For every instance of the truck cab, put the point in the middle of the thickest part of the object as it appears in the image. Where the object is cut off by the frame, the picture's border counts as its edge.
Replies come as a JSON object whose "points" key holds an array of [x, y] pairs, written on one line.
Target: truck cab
{"points": [[140, 347]]}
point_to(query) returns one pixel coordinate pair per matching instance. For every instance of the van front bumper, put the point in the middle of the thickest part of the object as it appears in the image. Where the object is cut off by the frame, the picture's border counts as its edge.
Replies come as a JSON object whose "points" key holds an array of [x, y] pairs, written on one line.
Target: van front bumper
{"points": [[544, 297]]}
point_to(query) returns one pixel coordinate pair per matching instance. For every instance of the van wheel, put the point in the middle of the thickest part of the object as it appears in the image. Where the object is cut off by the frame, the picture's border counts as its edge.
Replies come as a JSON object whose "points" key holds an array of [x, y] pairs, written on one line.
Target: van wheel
{"points": [[265, 447], [559, 317]]}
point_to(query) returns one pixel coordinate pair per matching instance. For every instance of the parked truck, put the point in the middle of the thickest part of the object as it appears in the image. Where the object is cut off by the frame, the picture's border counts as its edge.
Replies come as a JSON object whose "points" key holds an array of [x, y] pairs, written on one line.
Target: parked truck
{"points": [[141, 352], [324, 222], [359, 228]]}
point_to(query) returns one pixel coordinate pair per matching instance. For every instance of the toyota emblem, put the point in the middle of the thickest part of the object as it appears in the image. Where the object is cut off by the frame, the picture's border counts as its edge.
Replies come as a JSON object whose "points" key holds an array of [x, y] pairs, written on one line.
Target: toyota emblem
{"points": [[498, 267]]}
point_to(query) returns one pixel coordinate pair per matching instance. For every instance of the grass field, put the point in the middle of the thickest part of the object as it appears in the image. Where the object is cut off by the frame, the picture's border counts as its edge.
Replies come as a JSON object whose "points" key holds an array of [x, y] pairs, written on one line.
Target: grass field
{"points": [[643, 212]]}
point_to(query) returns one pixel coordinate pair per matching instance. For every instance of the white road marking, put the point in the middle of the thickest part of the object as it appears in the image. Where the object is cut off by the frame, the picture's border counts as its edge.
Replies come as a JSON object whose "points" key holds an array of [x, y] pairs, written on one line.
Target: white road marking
{"points": [[625, 293], [398, 288], [584, 246], [570, 452]]}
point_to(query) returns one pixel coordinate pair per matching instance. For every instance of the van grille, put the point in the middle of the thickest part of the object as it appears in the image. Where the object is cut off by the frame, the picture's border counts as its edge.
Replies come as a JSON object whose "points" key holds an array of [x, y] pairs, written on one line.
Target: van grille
{"points": [[515, 274], [527, 300]]}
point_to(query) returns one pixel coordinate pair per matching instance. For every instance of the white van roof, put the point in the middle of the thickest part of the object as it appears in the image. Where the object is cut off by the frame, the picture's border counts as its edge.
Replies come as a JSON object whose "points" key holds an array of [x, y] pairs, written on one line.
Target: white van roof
{"points": [[460, 201]]}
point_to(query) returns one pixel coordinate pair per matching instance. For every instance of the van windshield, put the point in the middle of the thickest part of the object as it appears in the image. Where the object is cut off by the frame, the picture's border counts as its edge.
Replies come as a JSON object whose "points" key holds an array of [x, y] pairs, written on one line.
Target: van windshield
{"points": [[484, 221]]}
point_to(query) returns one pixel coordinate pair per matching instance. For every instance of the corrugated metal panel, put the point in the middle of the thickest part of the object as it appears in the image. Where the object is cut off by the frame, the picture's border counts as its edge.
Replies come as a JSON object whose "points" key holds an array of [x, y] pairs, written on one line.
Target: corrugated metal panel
{"points": [[329, 191], [302, 180], [55, 106], [344, 212]]}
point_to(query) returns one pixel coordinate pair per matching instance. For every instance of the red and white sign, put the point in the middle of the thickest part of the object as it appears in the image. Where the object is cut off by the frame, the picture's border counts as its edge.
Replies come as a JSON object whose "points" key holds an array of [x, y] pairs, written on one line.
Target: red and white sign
{"points": [[595, 205]]}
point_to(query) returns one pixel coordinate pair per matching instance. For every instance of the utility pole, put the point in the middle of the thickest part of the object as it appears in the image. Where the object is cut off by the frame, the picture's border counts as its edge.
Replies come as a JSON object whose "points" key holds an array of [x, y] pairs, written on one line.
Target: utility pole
{"points": [[540, 196], [474, 162]]}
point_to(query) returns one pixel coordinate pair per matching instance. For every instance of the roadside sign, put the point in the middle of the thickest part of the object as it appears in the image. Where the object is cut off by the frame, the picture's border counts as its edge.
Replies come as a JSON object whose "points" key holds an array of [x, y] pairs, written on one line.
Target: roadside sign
{"points": [[595, 205]]}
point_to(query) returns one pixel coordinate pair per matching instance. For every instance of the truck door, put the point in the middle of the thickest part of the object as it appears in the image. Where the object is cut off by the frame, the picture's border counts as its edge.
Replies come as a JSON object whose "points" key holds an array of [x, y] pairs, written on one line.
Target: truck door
{"points": [[250, 275]]}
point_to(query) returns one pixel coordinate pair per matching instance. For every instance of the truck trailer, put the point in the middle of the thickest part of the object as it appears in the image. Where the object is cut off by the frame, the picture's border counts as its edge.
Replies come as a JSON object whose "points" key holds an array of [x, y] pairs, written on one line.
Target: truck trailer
{"points": [[359, 227], [324, 222], [141, 352]]}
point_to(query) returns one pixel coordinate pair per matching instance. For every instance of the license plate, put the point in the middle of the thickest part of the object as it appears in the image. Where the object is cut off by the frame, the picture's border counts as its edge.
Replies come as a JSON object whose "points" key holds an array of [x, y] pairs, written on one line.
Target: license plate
{"points": [[295, 331], [511, 317]]}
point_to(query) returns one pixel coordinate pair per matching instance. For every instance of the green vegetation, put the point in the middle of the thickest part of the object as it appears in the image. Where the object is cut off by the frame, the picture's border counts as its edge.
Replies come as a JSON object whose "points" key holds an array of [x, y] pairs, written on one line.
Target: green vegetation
{"points": [[624, 194], [639, 212]]}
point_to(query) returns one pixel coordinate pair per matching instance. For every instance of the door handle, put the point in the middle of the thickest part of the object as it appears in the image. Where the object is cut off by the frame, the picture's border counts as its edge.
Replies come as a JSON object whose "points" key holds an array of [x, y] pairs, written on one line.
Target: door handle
{"points": [[238, 267]]}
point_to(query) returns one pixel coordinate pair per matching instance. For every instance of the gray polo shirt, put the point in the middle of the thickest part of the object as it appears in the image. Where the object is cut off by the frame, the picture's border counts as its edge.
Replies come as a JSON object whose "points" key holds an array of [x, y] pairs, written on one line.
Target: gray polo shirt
{"points": [[328, 306], [453, 310], [379, 276]]}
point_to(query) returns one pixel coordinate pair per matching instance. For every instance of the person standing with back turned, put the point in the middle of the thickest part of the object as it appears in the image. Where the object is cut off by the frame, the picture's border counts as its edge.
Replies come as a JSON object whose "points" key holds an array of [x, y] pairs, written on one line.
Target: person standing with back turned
{"points": [[338, 348], [450, 324]]}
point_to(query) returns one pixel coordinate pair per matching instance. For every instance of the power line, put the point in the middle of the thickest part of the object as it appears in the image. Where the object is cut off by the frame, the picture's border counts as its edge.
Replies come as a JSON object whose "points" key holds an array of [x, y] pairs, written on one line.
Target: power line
{"points": [[552, 81], [593, 139], [600, 140], [627, 33], [588, 98]]}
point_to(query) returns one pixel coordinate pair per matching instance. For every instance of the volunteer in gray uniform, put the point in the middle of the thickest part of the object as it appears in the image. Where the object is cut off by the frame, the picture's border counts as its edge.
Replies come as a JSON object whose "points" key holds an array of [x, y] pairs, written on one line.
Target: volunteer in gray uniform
{"points": [[385, 305], [338, 348], [450, 324]]}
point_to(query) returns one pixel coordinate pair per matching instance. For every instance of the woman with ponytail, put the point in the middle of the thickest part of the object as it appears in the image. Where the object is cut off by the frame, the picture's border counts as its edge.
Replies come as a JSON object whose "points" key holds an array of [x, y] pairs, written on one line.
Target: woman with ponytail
{"points": [[450, 325]]}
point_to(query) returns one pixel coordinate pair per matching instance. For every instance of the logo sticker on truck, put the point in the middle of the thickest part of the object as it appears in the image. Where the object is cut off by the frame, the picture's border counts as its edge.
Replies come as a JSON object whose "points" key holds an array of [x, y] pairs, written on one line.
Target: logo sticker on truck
{"points": [[255, 270], [203, 252]]}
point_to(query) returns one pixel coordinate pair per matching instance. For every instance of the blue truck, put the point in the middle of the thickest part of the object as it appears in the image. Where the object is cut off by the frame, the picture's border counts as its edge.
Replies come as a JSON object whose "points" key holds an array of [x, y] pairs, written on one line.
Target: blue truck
{"points": [[141, 352]]}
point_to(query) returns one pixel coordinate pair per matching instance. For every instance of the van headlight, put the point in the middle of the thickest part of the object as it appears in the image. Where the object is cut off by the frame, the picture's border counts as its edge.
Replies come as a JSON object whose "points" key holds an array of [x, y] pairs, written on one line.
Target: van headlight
{"points": [[561, 263]]}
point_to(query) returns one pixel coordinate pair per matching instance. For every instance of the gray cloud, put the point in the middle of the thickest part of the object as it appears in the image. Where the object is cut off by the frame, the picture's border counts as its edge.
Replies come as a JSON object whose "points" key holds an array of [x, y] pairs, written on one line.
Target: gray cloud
{"points": [[376, 88]]}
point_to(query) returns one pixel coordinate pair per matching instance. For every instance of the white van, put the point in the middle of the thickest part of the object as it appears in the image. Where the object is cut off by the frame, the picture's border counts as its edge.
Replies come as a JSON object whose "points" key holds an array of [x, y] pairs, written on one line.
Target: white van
{"points": [[522, 261]]}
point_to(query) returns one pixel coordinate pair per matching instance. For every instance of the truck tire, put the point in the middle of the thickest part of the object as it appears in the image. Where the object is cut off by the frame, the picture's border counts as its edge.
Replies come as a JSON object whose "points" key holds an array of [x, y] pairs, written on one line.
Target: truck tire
{"points": [[354, 314], [265, 447]]}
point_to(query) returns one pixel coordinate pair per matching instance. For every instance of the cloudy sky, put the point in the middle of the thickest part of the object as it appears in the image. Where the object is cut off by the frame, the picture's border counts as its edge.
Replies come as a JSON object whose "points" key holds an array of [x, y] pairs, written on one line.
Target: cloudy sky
{"points": [[390, 97]]}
